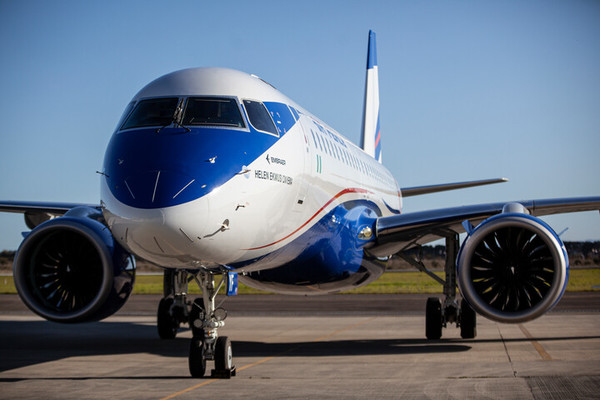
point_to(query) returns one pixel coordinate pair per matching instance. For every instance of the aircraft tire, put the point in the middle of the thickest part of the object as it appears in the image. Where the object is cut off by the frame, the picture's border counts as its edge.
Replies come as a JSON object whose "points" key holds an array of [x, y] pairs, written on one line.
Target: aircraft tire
{"points": [[468, 321], [197, 358], [166, 324], [223, 354], [433, 319]]}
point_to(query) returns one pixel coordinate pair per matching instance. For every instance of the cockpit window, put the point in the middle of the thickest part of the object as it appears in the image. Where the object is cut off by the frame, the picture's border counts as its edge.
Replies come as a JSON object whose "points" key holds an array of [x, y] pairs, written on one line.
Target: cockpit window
{"points": [[153, 112], [259, 117], [212, 111], [125, 114]]}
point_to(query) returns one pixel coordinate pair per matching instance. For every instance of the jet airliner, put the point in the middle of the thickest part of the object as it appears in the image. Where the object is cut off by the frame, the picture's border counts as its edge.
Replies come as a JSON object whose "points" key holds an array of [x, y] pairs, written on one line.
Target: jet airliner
{"points": [[215, 175]]}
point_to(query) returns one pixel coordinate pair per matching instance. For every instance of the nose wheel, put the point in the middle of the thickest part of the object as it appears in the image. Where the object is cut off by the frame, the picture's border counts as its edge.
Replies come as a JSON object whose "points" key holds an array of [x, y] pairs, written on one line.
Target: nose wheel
{"points": [[203, 317], [197, 358], [223, 354]]}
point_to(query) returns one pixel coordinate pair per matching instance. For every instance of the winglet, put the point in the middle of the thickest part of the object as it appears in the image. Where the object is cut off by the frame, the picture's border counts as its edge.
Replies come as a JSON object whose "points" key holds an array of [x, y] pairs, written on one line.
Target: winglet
{"points": [[371, 133]]}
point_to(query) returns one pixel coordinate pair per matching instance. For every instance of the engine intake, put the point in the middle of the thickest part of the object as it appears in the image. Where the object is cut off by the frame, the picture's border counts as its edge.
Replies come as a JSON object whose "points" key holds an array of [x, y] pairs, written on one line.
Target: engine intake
{"points": [[70, 269], [512, 268]]}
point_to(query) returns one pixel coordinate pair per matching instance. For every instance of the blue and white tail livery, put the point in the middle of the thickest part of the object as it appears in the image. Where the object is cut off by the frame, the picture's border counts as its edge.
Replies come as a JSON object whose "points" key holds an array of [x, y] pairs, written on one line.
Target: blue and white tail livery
{"points": [[213, 173], [371, 132]]}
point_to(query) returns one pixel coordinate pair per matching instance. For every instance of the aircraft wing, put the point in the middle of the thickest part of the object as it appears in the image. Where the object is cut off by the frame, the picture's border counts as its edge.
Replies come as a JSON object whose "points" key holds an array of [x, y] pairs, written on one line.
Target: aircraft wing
{"points": [[38, 212], [419, 190], [401, 232]]}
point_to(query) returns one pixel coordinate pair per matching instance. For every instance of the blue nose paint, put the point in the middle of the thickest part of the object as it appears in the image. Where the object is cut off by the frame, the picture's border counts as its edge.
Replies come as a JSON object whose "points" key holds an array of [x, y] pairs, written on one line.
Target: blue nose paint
{"points": [[146, 169]]}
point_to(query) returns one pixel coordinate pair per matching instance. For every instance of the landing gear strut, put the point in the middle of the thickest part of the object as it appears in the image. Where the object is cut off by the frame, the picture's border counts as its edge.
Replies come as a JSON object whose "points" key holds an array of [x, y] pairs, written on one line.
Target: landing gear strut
{"points": [[437, 313], [203, 318], [172, 309]]}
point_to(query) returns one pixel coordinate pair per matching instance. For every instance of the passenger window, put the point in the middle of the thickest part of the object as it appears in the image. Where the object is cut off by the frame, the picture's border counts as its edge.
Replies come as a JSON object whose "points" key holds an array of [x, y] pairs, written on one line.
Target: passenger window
{"points": [[313, 136], [321, 145], [259, 117], [212, 111], [153, 112]]}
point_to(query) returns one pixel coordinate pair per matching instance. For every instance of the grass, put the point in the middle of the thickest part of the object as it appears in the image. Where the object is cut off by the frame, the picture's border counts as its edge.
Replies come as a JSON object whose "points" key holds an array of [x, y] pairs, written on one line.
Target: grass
{"points": [[580, 280]]}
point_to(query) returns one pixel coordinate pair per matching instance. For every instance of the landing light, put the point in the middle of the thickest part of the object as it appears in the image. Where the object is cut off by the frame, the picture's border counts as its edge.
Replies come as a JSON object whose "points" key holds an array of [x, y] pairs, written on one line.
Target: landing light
{"points": [[365, 233], [220, 314]]}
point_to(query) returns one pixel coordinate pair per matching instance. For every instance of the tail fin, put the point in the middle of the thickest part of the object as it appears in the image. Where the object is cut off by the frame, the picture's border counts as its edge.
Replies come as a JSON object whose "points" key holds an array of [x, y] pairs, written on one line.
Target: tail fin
{"points": [[371, 133]]}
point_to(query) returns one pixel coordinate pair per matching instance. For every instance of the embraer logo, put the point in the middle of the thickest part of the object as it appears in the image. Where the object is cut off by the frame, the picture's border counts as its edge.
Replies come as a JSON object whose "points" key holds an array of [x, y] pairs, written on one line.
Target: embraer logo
{"points": [[275, 160]]}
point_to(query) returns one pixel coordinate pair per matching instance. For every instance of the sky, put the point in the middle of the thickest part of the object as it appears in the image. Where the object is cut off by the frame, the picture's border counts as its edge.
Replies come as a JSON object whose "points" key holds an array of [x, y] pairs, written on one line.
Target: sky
{"points": [[468, 90]]}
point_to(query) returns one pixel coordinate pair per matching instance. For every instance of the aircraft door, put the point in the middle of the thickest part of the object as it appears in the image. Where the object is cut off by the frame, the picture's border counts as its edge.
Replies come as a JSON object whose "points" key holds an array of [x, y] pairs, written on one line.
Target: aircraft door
{"points": [[303, 175]]}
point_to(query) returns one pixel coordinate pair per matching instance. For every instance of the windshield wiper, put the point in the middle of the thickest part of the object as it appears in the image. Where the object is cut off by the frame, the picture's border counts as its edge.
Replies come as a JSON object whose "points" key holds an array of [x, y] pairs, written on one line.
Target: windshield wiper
{"points": [[176, 120], [176, 123]]}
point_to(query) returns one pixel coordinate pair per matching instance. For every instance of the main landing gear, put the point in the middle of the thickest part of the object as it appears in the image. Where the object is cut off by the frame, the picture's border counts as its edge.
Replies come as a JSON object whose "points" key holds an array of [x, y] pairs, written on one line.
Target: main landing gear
{"points": [[203, 318], [439, 313]]}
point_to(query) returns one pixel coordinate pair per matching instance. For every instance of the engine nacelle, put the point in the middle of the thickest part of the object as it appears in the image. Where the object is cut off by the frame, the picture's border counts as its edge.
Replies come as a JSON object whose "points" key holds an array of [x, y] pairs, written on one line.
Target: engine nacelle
{"points": [[70, 269], [512, 268]]}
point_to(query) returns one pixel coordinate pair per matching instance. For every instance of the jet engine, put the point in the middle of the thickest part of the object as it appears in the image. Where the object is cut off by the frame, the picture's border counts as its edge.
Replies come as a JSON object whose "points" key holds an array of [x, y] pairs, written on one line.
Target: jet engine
{"points": [[513, 267], [70, 269]]}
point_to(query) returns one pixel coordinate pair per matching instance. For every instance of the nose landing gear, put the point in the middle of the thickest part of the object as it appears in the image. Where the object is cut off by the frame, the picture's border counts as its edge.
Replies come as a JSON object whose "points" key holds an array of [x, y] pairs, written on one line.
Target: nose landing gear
{"points": [[204, 319]]}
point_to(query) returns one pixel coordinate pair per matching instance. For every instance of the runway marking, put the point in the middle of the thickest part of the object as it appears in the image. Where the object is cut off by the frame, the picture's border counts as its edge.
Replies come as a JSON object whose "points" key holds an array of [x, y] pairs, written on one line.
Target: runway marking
{"points": [[264, 360], [538, 347], [189, 389]]}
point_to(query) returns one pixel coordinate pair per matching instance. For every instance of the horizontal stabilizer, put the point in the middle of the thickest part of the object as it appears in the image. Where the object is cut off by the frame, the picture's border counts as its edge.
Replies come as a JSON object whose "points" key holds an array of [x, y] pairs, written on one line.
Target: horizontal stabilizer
{"points": [[419, 190]]}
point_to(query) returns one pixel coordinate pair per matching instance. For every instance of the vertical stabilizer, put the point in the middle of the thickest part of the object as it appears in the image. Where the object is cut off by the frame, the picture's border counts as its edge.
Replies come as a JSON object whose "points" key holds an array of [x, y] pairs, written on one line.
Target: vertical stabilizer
{"points": [[371, 134]]}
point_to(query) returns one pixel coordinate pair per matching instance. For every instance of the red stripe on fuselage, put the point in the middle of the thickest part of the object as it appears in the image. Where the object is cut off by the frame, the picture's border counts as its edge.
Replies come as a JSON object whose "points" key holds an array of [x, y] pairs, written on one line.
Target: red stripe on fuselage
{"points": [[343, 192]]}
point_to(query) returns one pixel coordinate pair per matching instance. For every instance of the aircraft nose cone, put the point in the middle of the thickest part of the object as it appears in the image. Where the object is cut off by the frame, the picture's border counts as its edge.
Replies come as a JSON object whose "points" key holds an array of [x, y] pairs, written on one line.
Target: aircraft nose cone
{"points": [[161, 188]]}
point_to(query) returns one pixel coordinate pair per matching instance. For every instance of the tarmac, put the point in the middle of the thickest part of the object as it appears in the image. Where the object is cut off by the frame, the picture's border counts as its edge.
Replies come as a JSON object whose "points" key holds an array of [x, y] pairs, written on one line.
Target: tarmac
{"points": [[338, 347]]}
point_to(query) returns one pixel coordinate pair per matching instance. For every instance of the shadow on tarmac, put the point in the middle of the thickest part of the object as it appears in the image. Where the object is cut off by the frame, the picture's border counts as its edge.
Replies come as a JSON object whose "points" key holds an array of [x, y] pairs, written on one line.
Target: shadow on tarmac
{"points": [[373, 347], [24, 343]]}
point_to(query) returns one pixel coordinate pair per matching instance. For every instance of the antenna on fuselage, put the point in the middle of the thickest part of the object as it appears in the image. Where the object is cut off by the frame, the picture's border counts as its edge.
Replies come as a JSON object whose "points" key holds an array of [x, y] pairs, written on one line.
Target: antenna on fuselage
{"points": [[371, 133]]}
